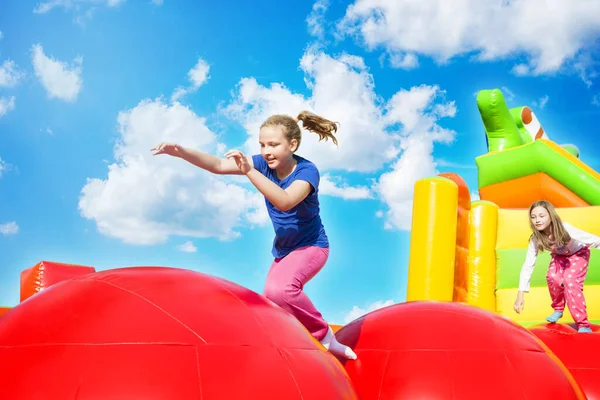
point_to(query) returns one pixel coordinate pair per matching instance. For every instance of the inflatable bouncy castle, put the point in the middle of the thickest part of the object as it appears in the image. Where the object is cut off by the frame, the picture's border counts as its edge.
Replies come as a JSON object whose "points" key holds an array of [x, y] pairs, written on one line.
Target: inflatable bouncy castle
{"points": [[154, 332], [471, 251]]}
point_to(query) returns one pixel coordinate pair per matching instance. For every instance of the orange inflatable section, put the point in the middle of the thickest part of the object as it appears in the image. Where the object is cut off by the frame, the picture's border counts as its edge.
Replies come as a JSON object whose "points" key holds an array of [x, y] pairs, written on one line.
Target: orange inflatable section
{"points": [[46, 273], [4, 310], [462, 237], [528, 189]]}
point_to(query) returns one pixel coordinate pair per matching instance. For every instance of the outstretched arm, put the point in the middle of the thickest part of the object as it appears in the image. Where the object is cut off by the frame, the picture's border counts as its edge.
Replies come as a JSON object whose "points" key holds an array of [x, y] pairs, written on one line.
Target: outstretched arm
{"points": [[208, 162], [282, 199]]}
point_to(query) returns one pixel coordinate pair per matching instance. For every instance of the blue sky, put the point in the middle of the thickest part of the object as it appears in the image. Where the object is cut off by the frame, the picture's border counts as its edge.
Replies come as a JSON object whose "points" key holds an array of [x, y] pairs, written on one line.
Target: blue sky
{"points": [[87, 87]]}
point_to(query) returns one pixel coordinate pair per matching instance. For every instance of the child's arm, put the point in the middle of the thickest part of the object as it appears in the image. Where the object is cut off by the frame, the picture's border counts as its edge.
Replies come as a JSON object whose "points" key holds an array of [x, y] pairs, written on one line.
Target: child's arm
{"points": [[525, 278], [528, 266], [221, 166], [283, 200], [582, 236], [208, 162]]}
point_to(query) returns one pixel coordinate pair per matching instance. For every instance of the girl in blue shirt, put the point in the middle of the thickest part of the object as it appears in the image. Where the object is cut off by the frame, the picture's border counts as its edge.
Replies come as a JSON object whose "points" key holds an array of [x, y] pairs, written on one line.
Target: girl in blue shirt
{"points": [[290, 185]]}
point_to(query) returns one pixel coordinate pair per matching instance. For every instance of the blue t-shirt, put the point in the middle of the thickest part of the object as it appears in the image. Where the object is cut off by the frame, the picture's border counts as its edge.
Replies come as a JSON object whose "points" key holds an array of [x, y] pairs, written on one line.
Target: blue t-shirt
{"points": [[300, 226]]}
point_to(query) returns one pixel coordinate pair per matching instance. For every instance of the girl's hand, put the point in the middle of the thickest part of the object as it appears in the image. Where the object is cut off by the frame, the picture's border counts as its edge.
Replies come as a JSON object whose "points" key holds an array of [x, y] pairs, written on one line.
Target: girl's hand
{"points": [[240, 160], [519, 304], [171, 149]]}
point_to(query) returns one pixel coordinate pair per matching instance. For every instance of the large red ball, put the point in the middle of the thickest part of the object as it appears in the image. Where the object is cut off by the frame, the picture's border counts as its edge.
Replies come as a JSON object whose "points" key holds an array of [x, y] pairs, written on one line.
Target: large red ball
{"points": [[444, 351], [160, 333], [579, 352]]}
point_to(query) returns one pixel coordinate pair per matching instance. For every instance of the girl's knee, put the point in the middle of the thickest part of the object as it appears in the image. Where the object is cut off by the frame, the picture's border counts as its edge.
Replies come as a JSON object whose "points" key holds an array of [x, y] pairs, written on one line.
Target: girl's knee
{"points": [[275, 294], [553, 280], [281, 295]]}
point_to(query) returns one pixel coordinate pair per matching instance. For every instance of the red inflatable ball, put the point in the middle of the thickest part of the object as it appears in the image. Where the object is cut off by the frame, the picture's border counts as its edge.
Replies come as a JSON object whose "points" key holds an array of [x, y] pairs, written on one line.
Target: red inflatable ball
{"points": [[160, 333], [579, 352], [444, 351]]}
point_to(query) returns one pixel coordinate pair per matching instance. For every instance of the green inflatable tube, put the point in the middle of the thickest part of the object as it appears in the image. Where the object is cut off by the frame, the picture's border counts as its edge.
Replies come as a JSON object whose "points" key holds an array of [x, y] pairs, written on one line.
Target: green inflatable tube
{"points": [[500, 128], [538, 157]]}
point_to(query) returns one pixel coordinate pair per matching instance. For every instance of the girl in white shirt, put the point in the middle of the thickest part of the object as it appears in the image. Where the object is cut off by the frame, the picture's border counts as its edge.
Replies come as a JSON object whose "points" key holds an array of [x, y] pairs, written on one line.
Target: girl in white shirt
{"points": [[569, 248]]}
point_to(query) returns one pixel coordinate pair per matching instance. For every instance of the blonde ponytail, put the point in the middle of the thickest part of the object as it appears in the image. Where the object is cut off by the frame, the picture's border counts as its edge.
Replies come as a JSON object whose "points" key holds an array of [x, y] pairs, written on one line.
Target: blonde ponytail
{"points": [[319, 125], [312, 122]]}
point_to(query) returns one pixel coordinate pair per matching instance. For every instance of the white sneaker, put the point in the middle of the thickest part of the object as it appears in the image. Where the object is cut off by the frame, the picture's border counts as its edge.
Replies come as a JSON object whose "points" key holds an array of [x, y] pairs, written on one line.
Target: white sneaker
{"points": [[335, 347]]}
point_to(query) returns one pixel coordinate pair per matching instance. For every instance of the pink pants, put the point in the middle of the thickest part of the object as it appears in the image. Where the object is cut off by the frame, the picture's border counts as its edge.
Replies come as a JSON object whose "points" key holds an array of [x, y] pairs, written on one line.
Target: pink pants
{"points": [[285, 281], [565, 281]]}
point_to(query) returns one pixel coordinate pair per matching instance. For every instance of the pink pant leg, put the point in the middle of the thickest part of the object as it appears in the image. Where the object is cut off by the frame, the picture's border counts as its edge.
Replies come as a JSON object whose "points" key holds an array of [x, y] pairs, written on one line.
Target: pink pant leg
{"points": [[574, 276], [554, 277], [285, 282]]}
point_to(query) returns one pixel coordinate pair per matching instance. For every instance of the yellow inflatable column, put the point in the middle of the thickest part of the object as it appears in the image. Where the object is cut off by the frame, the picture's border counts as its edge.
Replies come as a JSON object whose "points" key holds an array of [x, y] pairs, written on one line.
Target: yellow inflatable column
{"points": [[481, 261], [433, 240]]}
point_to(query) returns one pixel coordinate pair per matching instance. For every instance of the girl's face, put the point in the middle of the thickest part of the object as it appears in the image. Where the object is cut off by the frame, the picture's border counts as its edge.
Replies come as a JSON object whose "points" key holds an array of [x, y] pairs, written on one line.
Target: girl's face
{"points": [[540, 218], [274, 147]]}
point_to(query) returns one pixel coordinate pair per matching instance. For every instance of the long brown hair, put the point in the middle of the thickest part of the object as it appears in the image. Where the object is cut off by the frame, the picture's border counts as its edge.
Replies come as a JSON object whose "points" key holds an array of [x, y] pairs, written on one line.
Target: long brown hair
{"points": [[312, 122], [561, 236]]}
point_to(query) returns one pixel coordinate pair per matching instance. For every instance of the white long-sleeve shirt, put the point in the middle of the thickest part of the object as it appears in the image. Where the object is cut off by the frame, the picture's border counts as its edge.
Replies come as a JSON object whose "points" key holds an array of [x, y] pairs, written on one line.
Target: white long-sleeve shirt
{"points": [[579, 239]]}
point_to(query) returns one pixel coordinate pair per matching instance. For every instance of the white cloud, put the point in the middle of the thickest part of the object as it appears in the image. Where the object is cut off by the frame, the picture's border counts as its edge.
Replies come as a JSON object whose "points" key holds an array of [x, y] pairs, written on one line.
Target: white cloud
{"points": [[4, 167], [416, 111], [549, 33], [541, 103], [6, 105], [1, 35], [508, 94], [60, 80], [400, 60], [316, 18], [412, 109], [475, 195], [331, 186], [596, 100], [188, 247], [10, 75], [404, 61], [583, 67], [145, 198], [396, 187], [342, 91], [197, 76], [199, 73], [82, 10], [372, 133], [10, 228], [358, 312], [77, 5], [521, 70]]}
